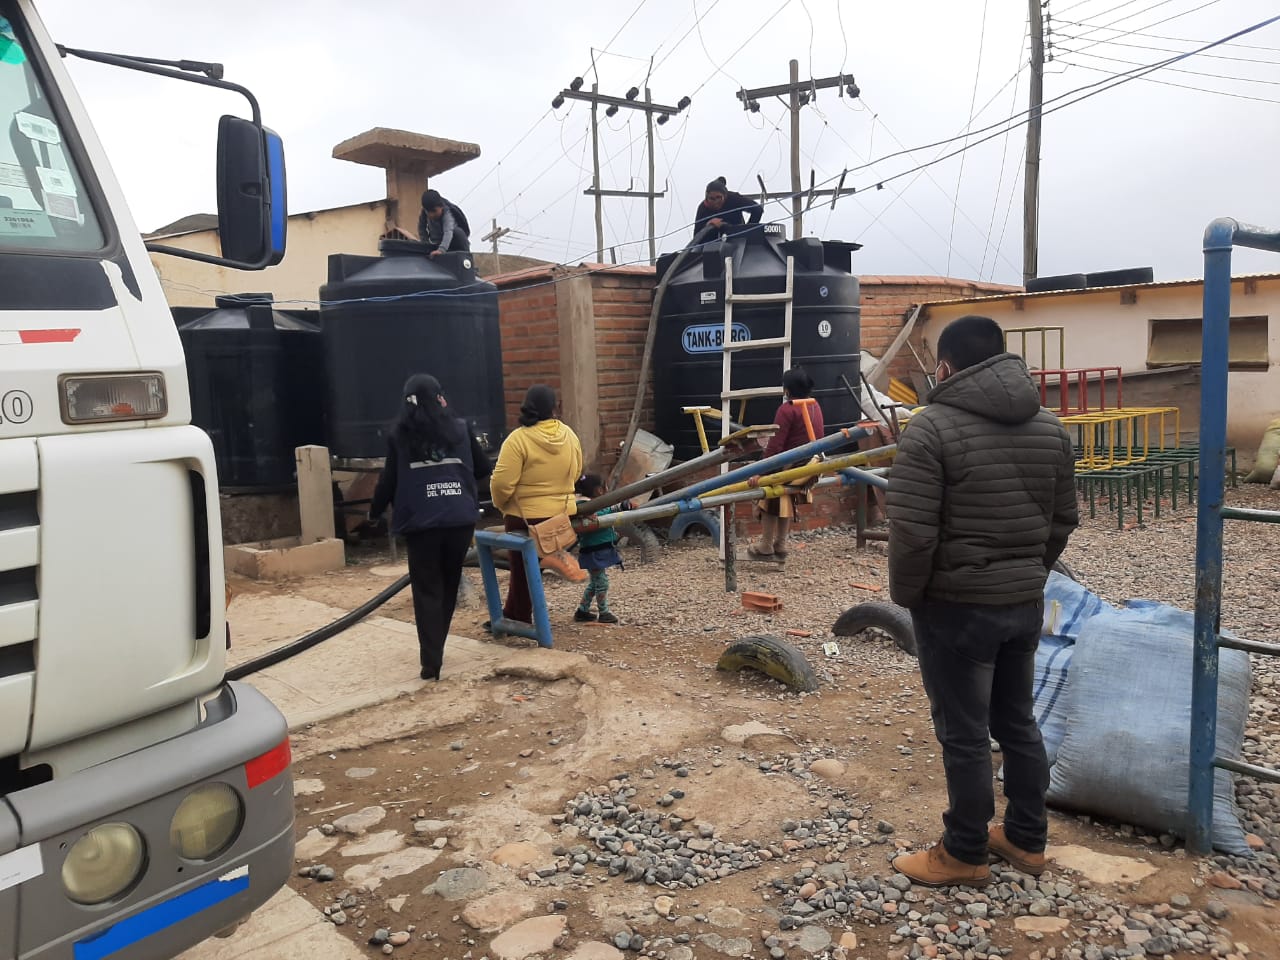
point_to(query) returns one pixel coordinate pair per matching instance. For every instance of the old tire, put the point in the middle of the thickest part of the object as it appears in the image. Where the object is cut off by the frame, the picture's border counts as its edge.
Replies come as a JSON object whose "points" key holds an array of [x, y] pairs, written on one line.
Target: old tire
{"points": [[773, 657], [887, 618], [640, 533], [704, 520]]}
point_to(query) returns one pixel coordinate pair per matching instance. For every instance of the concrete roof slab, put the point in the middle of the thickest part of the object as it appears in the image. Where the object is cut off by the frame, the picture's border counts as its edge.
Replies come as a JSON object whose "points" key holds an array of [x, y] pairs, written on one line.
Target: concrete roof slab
{"points": [[385, 147]]}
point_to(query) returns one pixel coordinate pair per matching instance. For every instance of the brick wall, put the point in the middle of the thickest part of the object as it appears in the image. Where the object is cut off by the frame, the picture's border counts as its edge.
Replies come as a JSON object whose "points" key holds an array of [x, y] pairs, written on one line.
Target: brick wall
{"points": [[887, 301], [621, 299], [530, 335], [622, 302]]}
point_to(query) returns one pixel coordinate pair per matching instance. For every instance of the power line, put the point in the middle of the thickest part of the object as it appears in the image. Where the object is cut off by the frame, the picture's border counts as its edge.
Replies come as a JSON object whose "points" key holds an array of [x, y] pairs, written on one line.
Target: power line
{"points": [[1080, 94], [742, 46], [805, 7], [1087, 91], [1094, 28], [696, 21], [1004, 156], [1170, 83], [1156, 36], [973, 102], [1013, 192], [1207, 56], [1194, 73]]}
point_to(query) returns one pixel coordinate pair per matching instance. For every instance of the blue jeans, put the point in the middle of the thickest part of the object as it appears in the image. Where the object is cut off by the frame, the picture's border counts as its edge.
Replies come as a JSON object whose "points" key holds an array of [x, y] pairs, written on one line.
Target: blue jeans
{"points": [[978, 666]]}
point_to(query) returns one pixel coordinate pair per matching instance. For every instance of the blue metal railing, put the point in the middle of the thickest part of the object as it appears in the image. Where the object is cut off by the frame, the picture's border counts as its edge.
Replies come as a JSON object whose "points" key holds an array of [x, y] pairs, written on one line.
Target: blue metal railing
{"points": [[1219, 239]]}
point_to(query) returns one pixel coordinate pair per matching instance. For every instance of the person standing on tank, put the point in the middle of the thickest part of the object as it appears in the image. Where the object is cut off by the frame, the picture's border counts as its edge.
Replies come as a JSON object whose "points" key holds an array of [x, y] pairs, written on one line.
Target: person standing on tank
{"points": [[725, 211], [434, 464], [776, 513], [442, 225], [533, 481]]}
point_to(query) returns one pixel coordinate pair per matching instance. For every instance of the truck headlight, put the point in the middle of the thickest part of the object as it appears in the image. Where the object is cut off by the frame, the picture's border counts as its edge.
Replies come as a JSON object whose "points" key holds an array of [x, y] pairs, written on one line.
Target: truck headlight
{"points": [[206, 822], [103, 864], [110, 397]]}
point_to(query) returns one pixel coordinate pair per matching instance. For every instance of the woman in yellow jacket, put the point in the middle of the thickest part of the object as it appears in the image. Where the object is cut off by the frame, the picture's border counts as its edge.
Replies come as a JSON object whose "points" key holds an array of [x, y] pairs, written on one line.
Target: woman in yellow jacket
{"points": [[533, 480]]}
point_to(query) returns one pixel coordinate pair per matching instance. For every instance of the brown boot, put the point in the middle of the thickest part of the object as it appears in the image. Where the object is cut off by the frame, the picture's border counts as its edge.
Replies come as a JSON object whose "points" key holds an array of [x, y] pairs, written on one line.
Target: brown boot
{"points": [[1029, 863], [780, 538], [937, 868]]}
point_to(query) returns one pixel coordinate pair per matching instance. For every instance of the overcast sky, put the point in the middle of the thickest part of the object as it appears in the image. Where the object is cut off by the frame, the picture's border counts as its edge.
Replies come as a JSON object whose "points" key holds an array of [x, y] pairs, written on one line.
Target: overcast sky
{"points": [[1130, 177]]}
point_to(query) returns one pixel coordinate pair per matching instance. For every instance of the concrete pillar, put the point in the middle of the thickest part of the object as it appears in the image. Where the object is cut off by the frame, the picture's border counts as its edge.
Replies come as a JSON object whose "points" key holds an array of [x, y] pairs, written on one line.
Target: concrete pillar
{"points": [[406, 179], [315, 493], [579, 384]]}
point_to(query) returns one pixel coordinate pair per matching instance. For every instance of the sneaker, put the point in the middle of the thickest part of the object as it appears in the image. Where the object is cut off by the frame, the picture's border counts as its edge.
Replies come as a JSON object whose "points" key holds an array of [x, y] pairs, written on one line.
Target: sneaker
{"points": [[607, 617], [937, 868], [583, 616], [998, 844]]}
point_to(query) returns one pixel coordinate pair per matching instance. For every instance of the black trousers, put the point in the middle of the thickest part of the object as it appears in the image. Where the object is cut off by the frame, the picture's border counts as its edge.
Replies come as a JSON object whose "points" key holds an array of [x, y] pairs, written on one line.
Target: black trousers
{"points": [[435, 570], [978, 666]]}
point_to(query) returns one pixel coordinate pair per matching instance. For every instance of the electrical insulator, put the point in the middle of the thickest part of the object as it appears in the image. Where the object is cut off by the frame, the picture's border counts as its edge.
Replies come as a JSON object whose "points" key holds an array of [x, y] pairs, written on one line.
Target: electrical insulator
{"points": [[575, 83], [613, 109], [558, 102], [663, 118], [853, 91], [633, 93], [684, 102], [754, 106]]}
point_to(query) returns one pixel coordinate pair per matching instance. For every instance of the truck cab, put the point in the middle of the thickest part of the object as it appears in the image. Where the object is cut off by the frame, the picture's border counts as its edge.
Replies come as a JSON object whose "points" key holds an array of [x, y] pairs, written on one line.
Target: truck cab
{"points": [[145, 803]]}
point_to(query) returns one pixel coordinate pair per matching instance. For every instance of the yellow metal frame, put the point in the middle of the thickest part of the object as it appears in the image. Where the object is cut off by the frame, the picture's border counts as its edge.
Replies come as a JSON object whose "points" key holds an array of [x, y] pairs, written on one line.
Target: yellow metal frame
{"points": [[1118, 438], [1044, 344], [699, 412]]}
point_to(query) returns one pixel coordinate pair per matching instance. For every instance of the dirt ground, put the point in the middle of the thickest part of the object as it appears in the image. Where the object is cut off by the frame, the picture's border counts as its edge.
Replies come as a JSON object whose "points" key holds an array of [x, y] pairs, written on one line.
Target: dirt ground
{"points": [[470, 766]]}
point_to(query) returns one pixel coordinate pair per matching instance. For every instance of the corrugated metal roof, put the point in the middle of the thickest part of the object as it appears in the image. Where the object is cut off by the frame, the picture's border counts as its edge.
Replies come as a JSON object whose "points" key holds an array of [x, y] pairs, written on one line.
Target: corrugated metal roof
{"points": [[1089, 291]]}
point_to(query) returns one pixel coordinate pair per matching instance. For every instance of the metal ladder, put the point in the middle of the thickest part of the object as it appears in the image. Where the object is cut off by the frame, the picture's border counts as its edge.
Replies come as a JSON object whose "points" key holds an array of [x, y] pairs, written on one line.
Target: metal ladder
{"points": [[1219, 238], [728, 394]]}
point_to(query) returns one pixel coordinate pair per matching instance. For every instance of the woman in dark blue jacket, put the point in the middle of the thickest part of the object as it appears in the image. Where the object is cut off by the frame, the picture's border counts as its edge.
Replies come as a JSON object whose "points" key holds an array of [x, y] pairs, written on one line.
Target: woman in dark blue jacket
{"points": [[433, 464], [726, 211]]}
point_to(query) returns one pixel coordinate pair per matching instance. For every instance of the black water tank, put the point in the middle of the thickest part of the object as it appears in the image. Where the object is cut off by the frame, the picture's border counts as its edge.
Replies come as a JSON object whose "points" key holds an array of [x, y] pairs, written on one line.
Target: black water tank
{"points": [[824, 330], [257, 386], [437, 318]]}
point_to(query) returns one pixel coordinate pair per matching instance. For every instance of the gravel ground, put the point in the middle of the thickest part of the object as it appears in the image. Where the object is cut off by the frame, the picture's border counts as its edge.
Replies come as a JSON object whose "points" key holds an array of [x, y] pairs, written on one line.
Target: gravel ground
{"points": [[821, 869]]}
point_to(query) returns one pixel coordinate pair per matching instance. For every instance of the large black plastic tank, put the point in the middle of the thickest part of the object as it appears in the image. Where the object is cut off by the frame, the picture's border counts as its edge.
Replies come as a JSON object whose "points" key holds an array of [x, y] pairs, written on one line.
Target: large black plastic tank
{"points": [[824, 330], [386, 318], [256, 376]]}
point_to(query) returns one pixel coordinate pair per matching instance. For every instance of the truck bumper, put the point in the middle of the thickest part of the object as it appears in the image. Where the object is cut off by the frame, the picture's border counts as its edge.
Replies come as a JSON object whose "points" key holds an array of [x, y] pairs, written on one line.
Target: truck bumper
{"points": [[175, 903]]}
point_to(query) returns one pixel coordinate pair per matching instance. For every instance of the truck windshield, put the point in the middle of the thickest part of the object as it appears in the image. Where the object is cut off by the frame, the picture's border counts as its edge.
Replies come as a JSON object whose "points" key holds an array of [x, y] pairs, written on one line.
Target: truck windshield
{"points": [[42, 195]]}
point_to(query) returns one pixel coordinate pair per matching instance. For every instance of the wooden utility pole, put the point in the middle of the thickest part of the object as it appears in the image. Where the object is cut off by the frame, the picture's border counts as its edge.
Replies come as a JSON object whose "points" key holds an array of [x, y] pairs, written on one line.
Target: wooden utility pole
{"points": [[799, 94], [1031, 177], [493, 236], [595, 177], [630, 102], [797, 207], [653, 229]]}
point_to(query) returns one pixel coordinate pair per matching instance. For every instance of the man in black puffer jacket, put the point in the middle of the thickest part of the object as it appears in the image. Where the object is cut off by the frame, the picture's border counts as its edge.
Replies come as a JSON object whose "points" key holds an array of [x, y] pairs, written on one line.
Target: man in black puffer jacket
{"points": [[981, 502]]}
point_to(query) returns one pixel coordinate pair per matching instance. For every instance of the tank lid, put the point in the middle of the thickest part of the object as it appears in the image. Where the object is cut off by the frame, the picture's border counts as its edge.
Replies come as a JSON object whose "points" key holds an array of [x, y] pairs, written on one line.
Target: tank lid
{"points": [[390, 247]]}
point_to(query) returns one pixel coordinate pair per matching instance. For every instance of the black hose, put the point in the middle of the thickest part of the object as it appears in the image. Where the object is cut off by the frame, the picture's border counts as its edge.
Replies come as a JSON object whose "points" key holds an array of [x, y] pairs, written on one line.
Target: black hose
{"points": [[317, 636]]}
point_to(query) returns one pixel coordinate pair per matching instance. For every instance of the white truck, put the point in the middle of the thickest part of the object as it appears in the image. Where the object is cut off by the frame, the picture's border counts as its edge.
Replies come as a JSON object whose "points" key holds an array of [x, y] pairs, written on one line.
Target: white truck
{"points": [[145, 803]]}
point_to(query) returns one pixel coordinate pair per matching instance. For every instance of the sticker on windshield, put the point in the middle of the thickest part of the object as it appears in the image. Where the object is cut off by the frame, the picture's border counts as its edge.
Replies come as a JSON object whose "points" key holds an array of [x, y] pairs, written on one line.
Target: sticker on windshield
{"points": [[25, 223], [37, 128], [64, 208], [57, 181], [11, 175]]}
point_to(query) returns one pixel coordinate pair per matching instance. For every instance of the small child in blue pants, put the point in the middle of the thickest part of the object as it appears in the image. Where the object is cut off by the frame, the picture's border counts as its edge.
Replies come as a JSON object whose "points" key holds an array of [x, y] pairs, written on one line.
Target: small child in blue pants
{"points": [[597, 552]]}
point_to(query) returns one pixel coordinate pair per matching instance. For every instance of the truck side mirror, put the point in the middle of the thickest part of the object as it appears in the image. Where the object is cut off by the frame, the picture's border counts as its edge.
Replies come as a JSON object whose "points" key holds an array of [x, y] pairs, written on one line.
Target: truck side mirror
{"points": [[251, 193]]}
